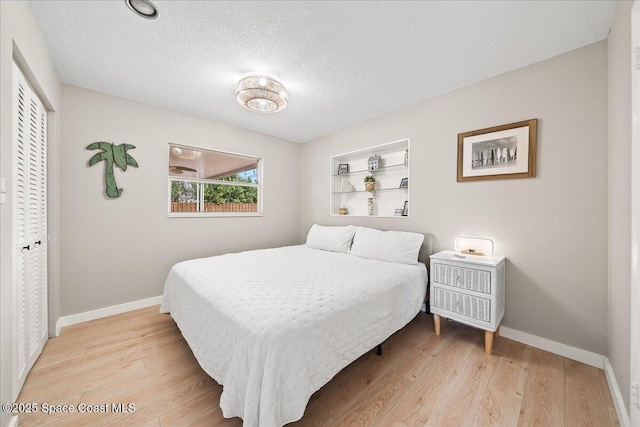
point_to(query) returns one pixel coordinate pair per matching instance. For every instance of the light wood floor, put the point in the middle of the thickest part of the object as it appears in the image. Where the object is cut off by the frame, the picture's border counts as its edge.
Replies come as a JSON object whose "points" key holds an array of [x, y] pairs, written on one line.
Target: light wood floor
{"points": [[420, 380]]}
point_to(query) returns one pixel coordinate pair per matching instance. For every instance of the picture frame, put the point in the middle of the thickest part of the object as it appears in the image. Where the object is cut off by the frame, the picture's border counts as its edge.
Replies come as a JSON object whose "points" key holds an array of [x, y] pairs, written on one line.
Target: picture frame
{"points": [[343, 168], [405, 210], [404, 183], [499, 152]]}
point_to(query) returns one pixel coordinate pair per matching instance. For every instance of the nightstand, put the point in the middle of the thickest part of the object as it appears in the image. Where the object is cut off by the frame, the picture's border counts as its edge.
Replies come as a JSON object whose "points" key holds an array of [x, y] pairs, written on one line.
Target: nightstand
{"points": [[468, 289]]}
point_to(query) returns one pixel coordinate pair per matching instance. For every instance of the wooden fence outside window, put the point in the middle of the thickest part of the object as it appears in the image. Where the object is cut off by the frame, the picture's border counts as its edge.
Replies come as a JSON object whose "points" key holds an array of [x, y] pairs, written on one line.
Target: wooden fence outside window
{"points": [[214, 207]]}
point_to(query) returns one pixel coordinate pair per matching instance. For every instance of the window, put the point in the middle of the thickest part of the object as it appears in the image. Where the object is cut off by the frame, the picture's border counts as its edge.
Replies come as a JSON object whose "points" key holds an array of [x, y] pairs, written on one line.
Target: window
{"points": [[213, 183]]}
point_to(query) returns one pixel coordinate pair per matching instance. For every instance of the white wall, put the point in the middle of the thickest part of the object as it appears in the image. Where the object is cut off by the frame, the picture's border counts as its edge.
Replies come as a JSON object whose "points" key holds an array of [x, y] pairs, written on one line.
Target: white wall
{"points": [[619, 61], [552, 228], [120, 250], [20, 38]]}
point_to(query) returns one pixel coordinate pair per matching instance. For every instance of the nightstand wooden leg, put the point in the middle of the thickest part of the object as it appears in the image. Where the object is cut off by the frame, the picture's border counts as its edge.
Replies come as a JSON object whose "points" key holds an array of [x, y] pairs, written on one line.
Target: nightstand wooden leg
{"points": [[436, 323], [488, 342], [497, 332]]}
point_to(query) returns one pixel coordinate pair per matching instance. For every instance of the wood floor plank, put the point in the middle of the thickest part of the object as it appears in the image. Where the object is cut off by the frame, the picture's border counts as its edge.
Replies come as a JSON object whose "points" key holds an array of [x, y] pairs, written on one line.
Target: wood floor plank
{"points": [[583, 398], [140, 357], [49, 358], [149, 422], [611, 409], [390, 421], [109, 392], [70, 383], [122, 352], [122, 327], [512, 370], [216, 419], [414, 359], [543, 400], [167, 399], [330, 403], [497, 409], [139, 383], [415, 406], [333, 401], [192, 410], [109, 325], [461, 398], [373, 406]]}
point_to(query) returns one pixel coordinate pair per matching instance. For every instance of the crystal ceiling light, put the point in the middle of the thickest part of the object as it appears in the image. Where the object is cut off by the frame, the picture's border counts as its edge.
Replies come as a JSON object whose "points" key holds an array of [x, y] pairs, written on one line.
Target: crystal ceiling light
{"points": [[261, 94], [143, 8]]}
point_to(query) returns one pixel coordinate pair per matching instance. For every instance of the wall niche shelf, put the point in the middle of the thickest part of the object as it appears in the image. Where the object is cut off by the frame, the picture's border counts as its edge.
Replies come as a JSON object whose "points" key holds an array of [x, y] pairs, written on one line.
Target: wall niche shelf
{"points": [[381, 169], [388, 195]]}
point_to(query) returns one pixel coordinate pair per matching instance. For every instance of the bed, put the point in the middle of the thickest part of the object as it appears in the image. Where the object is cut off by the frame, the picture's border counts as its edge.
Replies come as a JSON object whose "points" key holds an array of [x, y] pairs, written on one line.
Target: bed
{"points": [[273, 326]]}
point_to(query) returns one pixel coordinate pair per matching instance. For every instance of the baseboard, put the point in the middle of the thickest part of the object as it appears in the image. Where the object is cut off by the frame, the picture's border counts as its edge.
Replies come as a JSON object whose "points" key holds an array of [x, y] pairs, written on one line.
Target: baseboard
{"points": [[104, 312], [618, 402], [573, 353]]}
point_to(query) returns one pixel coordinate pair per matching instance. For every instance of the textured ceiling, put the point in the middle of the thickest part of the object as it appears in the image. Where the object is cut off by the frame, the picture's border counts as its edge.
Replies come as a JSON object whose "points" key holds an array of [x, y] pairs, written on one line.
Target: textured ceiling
{"points": [[342, 62]]}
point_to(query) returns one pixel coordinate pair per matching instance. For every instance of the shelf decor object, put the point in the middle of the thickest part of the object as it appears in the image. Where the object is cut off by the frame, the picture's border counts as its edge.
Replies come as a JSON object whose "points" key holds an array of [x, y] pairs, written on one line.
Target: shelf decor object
{"points": [[469, 288], [500, 152], [370, 183], [347, 187], [374, 162], [352, 182], [112, 155]]}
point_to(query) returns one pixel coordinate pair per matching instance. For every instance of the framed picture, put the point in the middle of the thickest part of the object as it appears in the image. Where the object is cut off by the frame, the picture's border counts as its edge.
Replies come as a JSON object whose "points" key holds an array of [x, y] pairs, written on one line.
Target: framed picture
{"points": [[404, 183], [405, 210], [343, 168], [500, 152]]}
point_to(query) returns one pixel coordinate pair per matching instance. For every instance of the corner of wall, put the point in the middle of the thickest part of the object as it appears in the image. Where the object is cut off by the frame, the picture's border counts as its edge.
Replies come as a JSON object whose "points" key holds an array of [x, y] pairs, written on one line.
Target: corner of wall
{"points": [[619, 200]]}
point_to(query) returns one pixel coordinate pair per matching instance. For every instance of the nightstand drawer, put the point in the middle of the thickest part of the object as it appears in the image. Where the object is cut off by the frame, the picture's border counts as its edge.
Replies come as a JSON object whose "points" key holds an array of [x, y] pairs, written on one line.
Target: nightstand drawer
{"points": [[461, 277], [467, 305]]}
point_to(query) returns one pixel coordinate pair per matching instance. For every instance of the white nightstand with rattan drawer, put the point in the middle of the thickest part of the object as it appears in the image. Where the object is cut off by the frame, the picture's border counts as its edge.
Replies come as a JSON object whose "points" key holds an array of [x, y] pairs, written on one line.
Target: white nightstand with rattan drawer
{"points": [[468, 289]]}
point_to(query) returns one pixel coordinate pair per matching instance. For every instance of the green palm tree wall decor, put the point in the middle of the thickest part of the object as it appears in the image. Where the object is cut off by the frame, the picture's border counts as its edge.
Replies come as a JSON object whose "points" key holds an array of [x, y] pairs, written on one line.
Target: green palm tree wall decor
{"points": [[112, 154]]}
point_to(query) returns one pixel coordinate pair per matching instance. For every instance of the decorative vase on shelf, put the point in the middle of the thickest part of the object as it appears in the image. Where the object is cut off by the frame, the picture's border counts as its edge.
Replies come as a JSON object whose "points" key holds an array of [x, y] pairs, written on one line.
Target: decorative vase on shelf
{"points": [[406, 156], [370, 205]]}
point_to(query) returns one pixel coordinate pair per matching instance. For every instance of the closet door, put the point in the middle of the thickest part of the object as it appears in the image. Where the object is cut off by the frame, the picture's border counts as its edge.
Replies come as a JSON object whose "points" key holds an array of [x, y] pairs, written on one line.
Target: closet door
{"points": [[30, 227]]}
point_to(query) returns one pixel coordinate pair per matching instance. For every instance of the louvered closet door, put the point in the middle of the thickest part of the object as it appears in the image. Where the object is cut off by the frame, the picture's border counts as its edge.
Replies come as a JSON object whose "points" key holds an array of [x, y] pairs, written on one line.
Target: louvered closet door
{"points": [[30, 225]]}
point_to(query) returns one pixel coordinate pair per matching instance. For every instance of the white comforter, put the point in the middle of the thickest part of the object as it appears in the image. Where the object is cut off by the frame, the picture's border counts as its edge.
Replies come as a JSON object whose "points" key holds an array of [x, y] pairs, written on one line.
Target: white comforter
{"points": [[273, 326]]}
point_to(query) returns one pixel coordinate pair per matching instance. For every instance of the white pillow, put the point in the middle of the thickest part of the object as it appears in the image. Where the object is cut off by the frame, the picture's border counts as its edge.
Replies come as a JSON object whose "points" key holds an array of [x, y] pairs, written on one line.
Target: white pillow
{"points": [[334, 239], [392, 246]]}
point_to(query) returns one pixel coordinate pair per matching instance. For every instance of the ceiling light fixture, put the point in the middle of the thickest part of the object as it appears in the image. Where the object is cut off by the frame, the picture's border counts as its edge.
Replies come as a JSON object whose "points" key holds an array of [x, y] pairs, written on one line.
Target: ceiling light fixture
{"points": [[143, 8], [261, 94], [186, 153]]}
